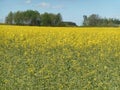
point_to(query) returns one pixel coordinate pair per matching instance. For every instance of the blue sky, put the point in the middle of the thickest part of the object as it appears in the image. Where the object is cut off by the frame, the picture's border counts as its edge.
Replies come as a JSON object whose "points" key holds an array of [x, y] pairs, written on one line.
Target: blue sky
{"points": [[71, 10]]}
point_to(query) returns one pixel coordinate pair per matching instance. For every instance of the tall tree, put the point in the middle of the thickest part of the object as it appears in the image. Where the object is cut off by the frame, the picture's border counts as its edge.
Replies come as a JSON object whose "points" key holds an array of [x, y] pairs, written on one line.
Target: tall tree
{"points": [[19, 18], [9, 18], [93, 20], [31, 17], [85, 21], [58, 19], [45, 19]]}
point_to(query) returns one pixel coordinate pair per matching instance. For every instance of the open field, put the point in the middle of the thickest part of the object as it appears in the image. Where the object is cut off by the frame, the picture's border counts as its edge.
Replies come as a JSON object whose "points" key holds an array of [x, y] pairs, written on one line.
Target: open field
{"points": [[57, 58]]}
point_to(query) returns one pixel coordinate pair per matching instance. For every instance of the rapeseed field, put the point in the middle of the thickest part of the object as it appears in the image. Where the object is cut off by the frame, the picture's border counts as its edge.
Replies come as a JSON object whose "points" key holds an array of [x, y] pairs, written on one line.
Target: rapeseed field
{"points": [[59, 58]]}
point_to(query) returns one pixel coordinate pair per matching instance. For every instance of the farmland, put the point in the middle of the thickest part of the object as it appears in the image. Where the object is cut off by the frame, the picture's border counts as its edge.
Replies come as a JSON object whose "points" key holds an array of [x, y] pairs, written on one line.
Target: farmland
{"points": [[59, 58]]}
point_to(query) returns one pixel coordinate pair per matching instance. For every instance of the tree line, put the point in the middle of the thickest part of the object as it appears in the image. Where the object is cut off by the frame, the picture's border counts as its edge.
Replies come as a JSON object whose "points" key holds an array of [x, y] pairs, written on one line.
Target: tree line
{"points": [[96, 20], [34, 18]]}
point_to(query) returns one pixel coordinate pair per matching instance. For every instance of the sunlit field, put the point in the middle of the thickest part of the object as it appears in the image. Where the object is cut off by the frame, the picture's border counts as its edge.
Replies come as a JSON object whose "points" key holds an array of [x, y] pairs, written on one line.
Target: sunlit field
{"points": [[59, 58]]}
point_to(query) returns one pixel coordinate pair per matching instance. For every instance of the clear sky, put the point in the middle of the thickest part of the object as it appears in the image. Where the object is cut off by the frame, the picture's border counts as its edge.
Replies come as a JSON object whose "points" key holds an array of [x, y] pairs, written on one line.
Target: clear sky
{"points": [[71, 10]]}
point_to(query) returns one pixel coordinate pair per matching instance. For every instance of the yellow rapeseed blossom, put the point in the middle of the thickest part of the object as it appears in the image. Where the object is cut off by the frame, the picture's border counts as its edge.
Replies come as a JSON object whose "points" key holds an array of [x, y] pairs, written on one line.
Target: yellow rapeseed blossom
{"points": [[59, 58]]}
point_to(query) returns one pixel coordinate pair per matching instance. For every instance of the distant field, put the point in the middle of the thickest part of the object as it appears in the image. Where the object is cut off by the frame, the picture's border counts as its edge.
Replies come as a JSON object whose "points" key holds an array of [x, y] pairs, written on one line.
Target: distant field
{"points": [[57, 58]]}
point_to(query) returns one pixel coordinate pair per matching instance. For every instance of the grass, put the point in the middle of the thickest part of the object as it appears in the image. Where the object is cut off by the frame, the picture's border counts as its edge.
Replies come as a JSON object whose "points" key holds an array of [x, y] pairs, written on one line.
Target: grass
{"points": [[53, 58]]}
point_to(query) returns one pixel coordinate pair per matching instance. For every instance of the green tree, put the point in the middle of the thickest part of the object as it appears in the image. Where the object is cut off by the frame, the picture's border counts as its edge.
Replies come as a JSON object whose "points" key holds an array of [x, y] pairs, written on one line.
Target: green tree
{"points": [[96, 20], [58, 19], [31, 17], [45, 19], [93, 20], [10, 18], [50, 19], [19, 18], [85, 21]]}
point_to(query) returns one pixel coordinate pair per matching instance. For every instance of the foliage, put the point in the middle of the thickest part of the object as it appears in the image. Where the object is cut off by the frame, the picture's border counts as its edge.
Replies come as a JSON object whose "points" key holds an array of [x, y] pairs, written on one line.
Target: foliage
{"points": [[72, 24], [96, 20], [9, 18], [47, 58], [31, 17]]}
